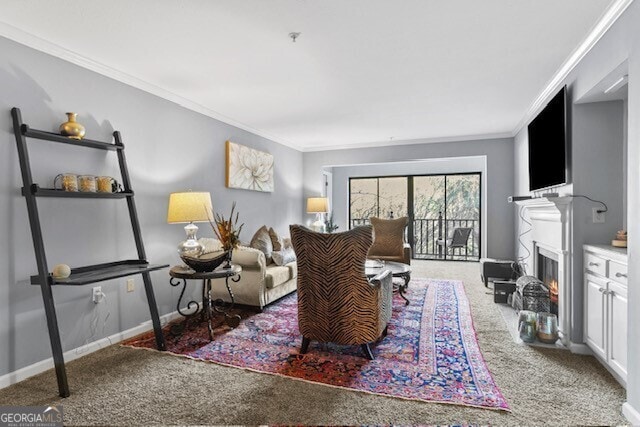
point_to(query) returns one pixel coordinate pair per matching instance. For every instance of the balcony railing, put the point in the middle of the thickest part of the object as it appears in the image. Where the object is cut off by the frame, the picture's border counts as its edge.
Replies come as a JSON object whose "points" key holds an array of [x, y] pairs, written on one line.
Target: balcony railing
{"points": [[427, 232]]}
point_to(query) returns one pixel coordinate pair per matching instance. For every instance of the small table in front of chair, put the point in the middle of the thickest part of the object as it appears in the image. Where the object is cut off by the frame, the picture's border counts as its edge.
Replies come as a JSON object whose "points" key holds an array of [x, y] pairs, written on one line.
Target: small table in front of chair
{"points": [[398, 269], [180, 274]]}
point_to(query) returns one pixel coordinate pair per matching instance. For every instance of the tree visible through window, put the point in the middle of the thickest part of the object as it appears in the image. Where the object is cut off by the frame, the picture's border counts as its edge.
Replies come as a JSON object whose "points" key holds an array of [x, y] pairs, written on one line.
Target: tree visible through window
{"points": [[438, 204], [379, 197]]}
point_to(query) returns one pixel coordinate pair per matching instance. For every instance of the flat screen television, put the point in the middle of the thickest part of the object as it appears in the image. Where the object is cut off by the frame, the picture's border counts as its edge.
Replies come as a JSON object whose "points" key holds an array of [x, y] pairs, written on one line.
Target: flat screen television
{"points": [[548, 145]]}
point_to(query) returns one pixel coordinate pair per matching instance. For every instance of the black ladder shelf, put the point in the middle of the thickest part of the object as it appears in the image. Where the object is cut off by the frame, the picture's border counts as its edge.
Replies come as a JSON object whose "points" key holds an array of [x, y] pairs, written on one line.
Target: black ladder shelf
{"points": [[82, 275]]}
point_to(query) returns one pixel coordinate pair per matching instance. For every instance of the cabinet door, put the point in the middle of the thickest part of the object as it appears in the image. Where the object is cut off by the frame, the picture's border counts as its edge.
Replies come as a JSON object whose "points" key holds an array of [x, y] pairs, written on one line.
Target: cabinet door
{"points": [[595, 315], [617, 328]]}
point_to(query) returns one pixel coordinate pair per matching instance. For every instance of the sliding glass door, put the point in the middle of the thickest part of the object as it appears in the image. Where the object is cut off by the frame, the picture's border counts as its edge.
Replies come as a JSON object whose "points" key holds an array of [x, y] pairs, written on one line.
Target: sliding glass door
{"points": [[429, 202], [446, 217], [443, 210]]}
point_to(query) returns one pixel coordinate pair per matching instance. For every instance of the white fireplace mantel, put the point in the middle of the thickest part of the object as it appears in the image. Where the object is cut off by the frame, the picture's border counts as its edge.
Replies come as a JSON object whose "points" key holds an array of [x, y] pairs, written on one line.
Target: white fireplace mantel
{"points": [[548, 208], [551, 221], [551, 230]]}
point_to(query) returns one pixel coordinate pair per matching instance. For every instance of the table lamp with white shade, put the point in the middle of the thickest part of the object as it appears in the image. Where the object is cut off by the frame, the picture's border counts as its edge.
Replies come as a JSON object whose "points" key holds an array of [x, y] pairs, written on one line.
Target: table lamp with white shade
{"points": [[318, 206], [190, 207]]}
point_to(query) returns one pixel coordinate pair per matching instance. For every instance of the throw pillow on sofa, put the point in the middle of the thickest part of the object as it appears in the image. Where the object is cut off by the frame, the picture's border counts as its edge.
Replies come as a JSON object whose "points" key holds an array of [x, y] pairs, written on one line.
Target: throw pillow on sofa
{"points": [[276, 240], [262, 242], [284, 256]]}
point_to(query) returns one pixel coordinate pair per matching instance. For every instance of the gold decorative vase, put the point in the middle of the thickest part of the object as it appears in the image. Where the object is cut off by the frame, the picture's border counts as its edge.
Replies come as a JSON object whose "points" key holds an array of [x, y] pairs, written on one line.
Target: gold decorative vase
{"points": [[71, 128]]}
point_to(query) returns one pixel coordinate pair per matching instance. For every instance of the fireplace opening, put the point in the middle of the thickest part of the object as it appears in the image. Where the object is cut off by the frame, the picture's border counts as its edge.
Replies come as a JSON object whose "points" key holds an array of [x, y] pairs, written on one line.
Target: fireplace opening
{"points": [[548, 274]]}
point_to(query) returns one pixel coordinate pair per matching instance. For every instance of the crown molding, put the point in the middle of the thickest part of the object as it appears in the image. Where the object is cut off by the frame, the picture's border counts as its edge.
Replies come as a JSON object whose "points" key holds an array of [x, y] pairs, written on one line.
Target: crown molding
{"points": [[608, 18], [417, 141], [19, 36]]}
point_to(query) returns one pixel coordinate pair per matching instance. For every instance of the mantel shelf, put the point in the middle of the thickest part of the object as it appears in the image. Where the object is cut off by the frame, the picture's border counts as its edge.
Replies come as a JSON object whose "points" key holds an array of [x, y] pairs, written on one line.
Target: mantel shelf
{"points": [[49, 136], [101, 272], [548, 209], [51, 192], [545, 202]]}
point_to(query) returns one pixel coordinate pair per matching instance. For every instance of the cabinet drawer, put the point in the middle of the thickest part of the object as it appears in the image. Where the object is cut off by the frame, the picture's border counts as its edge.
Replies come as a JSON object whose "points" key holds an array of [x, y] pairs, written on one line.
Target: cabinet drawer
{"points": [[595, 264], [617, 272]]}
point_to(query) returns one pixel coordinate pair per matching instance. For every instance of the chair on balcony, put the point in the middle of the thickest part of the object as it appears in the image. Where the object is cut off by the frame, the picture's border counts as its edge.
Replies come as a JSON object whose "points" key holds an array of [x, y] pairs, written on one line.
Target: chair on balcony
{"points": [[336, 301], [458, 238], [388, 240]]}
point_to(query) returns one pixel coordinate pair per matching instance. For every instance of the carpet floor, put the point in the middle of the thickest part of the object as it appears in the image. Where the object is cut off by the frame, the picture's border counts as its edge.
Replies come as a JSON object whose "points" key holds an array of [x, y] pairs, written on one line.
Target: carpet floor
{"points": [[123, 386], [430, 352]]}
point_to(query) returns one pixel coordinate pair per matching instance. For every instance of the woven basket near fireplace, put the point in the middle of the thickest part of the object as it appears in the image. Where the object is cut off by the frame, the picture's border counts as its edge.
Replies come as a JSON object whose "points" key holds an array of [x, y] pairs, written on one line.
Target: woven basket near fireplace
{"points": [[531, 294]]}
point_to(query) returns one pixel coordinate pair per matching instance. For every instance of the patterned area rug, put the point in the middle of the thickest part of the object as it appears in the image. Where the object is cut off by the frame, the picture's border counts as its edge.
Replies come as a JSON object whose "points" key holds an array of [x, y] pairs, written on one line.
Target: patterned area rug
{"points": [[430, 353]]}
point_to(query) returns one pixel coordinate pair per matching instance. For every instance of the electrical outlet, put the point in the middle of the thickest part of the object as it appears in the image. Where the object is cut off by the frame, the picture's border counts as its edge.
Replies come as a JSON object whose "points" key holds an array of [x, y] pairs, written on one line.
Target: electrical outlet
{"points": [[598, 217], [131, 285], [97, 295]]}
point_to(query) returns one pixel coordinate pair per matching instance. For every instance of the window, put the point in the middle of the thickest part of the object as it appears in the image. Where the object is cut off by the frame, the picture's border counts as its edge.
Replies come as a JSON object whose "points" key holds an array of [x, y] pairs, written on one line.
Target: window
{"points": [[379, 197], [435, 205]]}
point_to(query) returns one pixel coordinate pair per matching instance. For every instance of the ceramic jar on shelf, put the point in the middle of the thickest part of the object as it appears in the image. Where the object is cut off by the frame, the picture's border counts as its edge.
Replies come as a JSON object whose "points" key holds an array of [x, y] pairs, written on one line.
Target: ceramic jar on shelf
{"points": [[87, 183], [66, 182], [106, 184], [71, 128]]}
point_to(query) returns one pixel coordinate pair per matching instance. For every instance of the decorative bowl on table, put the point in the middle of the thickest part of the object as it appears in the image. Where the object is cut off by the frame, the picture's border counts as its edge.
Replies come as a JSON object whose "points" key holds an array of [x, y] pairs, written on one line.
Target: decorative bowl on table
{"points": [[206, 262]]}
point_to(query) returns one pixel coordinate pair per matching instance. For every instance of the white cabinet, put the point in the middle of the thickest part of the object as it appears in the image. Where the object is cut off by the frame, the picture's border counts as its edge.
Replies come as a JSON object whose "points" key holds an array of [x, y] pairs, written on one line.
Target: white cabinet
{"points": [[605, 321], [618, 331], [595, 320]]}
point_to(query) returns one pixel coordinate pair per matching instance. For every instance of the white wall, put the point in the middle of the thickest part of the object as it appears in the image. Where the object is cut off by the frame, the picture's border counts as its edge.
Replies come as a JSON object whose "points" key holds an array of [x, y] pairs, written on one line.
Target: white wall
{"points": [[625, 161], [499, 156], [168, 149], [598, 162], [598, 132], [633, 208]]}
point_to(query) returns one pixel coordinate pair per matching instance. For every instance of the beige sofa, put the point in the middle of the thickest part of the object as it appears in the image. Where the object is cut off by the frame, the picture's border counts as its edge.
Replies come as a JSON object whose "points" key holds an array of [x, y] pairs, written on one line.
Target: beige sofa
{"points": [[259, 284]]}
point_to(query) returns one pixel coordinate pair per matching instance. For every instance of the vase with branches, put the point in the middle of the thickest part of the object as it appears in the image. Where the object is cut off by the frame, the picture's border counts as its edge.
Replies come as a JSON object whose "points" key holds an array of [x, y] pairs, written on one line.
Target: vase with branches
{"points": [[227, 231]]}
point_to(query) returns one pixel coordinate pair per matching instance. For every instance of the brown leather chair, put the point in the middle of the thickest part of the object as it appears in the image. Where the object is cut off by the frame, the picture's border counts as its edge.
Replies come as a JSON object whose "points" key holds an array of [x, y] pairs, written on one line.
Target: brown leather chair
{"points": [[388, 240], [336, 301]]}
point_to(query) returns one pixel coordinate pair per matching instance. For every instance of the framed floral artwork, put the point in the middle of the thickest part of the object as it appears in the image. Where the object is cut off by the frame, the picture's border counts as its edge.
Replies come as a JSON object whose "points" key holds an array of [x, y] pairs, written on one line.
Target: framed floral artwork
{"points": [[249, 169]]}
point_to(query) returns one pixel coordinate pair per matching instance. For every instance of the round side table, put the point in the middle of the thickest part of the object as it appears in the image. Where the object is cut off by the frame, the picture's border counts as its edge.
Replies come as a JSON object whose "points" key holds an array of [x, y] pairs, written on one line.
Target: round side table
{"points": [[179, 276]]}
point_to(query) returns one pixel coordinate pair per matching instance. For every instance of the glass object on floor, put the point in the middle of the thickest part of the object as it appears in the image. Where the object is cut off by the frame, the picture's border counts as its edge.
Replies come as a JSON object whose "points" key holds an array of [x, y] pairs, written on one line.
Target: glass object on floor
{"points": [[547, 327], [527, 325], [527, 331]]}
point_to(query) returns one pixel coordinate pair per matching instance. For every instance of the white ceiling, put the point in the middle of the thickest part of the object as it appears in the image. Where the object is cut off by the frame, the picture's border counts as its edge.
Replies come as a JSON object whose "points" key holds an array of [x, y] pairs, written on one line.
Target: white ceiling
{"points": [[362, 71]]}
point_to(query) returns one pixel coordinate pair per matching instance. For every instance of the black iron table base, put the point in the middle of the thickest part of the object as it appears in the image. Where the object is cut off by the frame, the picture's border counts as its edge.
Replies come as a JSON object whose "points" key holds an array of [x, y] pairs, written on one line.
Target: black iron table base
{"points": [[398, 271], [196, 310], [402, 287], [220, 306], [193, 310]]}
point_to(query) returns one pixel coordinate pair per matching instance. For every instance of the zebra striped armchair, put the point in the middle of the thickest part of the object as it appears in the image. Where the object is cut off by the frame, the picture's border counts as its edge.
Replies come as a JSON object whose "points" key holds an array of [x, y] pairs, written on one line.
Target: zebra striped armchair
{"points": [[336, 301]]}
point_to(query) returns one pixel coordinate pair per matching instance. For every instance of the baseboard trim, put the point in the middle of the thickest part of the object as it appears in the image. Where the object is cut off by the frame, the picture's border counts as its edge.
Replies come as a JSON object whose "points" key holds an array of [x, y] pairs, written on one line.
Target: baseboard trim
{"points": [[580, 348], [631, 414], [76, 353]]}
